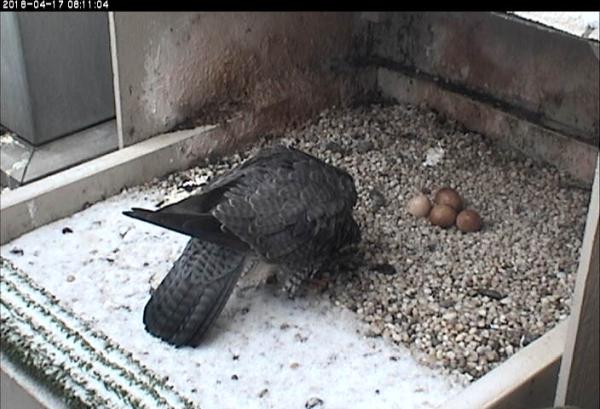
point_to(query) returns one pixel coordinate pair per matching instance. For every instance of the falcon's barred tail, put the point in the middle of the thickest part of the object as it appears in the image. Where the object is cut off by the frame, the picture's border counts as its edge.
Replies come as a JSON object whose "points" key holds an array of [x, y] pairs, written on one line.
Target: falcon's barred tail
{"points": [[192, 295]]}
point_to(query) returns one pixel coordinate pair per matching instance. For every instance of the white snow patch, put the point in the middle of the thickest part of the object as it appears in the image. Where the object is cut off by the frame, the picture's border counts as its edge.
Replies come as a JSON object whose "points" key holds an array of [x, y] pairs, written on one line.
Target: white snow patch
{"points": [[295, 350], [580, 23], [433, 156]]}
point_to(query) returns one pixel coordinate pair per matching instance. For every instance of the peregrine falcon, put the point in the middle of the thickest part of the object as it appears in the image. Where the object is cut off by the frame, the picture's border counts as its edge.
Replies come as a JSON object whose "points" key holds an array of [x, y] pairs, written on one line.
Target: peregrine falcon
{"points": [[282, 206]]}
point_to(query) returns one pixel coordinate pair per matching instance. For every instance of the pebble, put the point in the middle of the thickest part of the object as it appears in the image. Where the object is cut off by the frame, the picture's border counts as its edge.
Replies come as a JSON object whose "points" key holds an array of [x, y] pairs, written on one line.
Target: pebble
{"points": [[377, 199], [496, 295], [334, 147], [364, 146], [385, 268]]}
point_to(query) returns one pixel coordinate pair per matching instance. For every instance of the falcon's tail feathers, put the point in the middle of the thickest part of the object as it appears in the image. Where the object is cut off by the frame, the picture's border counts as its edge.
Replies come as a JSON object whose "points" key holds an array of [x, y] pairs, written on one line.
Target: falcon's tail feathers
{"points": [[200, 225], [194, 292]]}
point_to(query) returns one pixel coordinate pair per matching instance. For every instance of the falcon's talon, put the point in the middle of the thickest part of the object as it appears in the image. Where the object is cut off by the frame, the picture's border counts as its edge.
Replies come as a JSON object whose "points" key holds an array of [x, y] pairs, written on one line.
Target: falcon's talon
{"points": [[282, 206]]}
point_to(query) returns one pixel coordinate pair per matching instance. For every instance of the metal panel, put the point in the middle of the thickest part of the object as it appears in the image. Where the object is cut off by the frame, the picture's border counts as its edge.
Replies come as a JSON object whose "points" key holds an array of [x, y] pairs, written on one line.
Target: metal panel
{"points": [[56, 73], [15, 102]]}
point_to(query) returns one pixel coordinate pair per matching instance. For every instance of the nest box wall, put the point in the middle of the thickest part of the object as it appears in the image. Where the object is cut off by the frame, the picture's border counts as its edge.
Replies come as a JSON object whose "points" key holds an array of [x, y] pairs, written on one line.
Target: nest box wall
{"points": [[193, 68], [525, 85]]}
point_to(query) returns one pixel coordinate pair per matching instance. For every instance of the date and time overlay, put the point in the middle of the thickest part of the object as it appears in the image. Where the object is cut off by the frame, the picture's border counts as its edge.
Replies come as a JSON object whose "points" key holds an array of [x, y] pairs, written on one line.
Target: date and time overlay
{"points": [[55, 5]]}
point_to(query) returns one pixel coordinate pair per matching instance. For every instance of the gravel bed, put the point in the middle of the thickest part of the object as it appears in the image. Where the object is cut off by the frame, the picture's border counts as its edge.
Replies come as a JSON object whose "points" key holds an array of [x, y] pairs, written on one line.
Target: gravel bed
{"points": [[463, 302]]}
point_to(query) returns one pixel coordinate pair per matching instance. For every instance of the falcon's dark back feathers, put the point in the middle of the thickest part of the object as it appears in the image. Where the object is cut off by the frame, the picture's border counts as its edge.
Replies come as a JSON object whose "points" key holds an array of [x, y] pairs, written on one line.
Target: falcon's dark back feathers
{"points": [[284, 204]]}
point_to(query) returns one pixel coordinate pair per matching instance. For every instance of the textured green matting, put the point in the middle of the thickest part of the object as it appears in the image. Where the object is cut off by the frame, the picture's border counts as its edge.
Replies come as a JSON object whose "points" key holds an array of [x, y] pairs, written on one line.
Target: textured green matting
{"points": [[79, 364]]}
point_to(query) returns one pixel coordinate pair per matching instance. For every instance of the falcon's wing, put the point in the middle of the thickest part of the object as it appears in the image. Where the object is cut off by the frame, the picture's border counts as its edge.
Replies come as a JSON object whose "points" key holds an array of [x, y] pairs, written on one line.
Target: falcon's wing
{"points": [[192, 216], [285, 204], [290, 207], [194, 292]]}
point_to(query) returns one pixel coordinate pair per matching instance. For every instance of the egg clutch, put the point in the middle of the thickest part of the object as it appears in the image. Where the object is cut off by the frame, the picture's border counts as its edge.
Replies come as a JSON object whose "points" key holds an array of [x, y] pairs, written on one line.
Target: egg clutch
{"points": [[446, 211]]}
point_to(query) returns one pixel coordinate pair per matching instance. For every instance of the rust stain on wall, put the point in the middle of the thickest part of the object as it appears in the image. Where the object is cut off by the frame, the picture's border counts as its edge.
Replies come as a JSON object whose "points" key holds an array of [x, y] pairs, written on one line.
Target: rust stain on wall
{"points": [[213, 66], [547, 77]]}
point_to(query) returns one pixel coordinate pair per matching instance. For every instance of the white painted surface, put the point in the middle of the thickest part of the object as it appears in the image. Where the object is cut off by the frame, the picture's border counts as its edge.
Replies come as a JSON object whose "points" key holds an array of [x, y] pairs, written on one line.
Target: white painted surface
{"points": [[578, 379], [112, 32], [100, 272]]}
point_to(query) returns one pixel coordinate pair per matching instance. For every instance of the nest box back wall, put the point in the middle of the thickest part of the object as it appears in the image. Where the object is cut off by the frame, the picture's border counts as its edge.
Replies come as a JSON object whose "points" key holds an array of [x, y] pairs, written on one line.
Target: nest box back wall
{"points": [[547, 76], [184, 69], [525, 85]]}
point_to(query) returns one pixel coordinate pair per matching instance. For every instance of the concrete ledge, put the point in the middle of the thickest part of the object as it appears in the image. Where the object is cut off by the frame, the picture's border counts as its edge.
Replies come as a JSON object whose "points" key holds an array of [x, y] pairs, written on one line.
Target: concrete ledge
{"points": [[528, 376], [567, 154], [64, 193], [23, 163]]}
